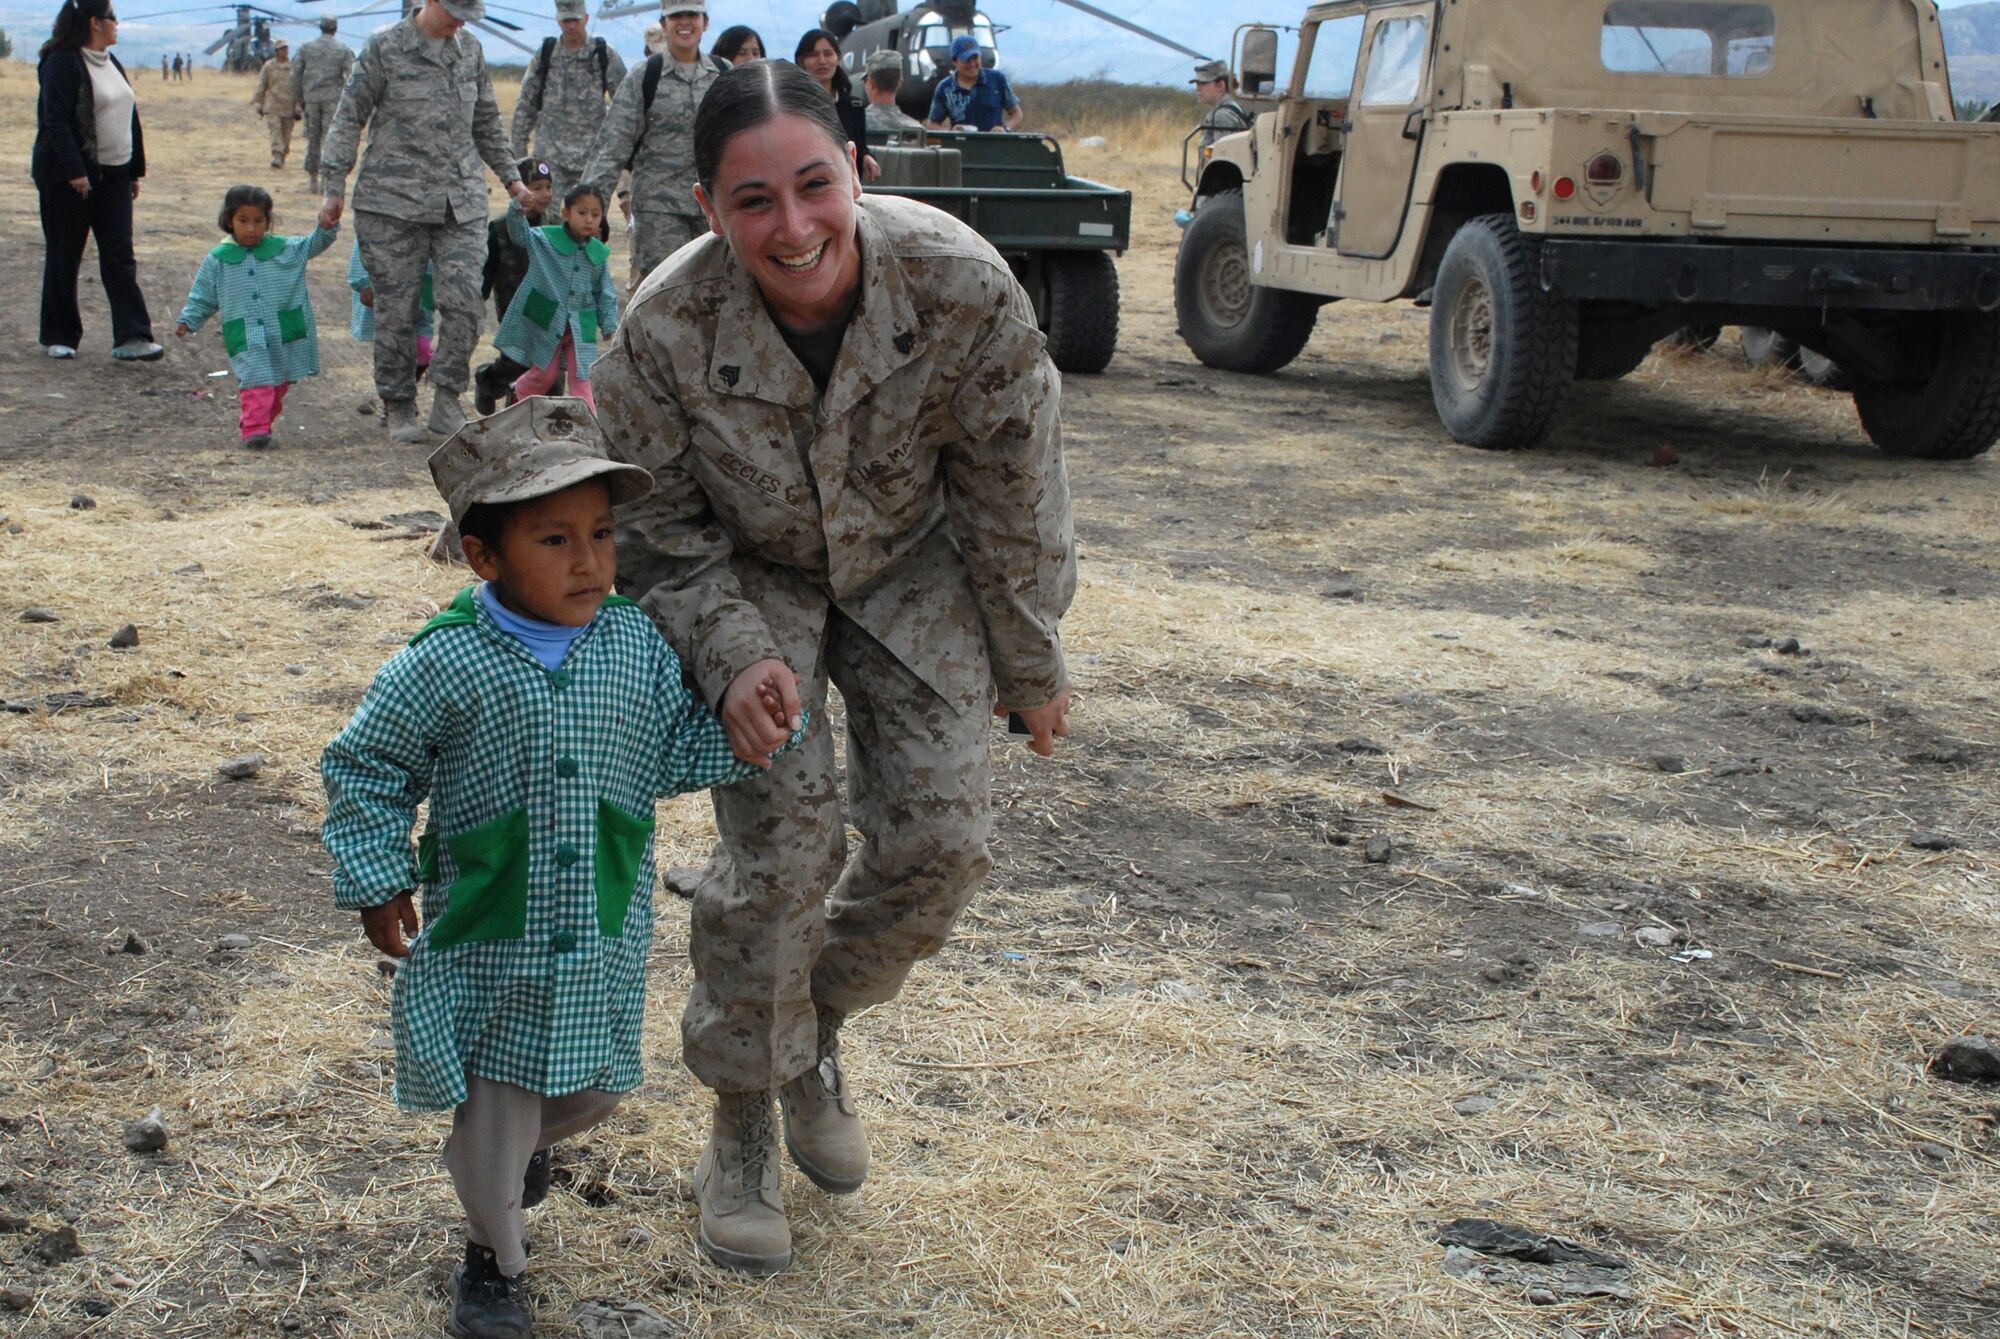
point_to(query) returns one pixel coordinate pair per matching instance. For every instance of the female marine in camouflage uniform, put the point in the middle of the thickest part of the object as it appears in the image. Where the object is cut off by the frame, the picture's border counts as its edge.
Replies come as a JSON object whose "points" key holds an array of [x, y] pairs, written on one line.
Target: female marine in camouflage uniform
{"points": [[855, 433]]}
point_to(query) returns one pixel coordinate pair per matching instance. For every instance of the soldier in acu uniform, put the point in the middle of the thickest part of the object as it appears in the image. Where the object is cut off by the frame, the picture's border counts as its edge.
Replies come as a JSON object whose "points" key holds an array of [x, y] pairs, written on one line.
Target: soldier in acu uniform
{"points": [[884, 117], [1225, 114], [422, 90], [563, 96], [277, 101], [854, 428], [650, 129], [320, 70]]}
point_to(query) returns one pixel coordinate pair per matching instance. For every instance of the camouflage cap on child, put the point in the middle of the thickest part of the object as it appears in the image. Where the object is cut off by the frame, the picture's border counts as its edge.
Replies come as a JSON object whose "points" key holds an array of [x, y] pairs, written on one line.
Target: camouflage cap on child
{"points": [[530, 449]]}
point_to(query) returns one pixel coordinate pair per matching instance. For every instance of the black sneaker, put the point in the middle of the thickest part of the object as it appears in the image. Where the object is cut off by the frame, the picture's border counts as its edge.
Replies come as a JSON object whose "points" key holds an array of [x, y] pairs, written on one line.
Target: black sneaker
{"points": [[535, 1185], [483, 1300]]}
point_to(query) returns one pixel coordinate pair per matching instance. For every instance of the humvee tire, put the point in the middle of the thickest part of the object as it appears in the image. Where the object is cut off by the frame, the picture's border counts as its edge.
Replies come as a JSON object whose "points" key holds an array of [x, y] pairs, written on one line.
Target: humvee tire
{"points": [[1227, 321], [1604, 356], [1503, 351], [1083, 310], [1955, 413]]}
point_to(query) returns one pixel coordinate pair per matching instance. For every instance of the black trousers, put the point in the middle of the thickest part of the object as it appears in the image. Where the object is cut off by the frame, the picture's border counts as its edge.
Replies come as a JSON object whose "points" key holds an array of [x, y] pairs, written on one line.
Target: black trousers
{"points": [[68, 220]]}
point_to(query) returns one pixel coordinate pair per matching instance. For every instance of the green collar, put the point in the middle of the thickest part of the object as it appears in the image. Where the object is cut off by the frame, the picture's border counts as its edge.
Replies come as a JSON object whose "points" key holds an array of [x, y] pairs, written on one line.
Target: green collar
{"points": [[565, 245], [463, 612], [232, 253]]}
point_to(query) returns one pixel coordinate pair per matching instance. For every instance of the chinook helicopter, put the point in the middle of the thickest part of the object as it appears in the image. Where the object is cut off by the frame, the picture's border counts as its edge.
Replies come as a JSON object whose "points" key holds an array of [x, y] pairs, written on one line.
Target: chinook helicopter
{"points": [[923, 35]]}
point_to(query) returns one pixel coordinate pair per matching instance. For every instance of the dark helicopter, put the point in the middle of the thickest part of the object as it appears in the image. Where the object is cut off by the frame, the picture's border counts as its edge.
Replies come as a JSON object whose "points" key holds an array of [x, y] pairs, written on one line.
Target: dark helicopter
{"points": [[923, 34]]}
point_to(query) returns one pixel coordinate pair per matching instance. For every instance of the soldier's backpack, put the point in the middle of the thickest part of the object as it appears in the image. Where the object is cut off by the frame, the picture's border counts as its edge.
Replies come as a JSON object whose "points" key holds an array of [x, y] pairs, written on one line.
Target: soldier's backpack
{"points": [[597, 49], [651, 88]]}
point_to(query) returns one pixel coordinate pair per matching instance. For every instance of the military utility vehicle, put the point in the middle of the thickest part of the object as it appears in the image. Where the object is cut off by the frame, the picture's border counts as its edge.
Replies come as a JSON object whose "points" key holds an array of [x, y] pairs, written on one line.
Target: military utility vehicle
{"points": [[1564, 182]]}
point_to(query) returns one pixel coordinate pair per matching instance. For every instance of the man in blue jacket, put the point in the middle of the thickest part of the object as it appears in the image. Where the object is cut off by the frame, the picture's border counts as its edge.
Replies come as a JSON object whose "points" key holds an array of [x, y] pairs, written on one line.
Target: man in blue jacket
{"points": [[972, 98]]}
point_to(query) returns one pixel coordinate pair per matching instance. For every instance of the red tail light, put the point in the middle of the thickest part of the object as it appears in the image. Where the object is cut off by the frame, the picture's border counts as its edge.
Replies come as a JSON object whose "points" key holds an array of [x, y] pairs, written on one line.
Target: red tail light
{"points": [[1604, 170], [1565, 188]]}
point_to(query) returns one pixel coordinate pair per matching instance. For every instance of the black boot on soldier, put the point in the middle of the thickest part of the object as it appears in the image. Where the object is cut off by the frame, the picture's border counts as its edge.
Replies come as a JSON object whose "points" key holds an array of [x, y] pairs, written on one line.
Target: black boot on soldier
{"points": [[485, 1304]]}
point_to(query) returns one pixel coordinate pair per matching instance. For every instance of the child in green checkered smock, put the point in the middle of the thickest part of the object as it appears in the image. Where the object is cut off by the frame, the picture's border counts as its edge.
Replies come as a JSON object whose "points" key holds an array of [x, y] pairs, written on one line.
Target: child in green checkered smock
{"points": [[257, 282], [361, 309], [541, 717]]}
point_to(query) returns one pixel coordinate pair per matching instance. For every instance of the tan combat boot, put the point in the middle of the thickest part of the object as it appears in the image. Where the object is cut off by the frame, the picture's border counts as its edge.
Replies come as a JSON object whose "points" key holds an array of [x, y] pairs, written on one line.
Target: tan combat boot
{"points": [[447, 414], [822, 1129], [400, 416], [736, 1183]]}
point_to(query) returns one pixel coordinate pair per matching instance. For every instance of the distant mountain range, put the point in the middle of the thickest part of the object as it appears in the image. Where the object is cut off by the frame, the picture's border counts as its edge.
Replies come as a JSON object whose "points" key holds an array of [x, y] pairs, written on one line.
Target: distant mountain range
{"points": [[1972, 40]]}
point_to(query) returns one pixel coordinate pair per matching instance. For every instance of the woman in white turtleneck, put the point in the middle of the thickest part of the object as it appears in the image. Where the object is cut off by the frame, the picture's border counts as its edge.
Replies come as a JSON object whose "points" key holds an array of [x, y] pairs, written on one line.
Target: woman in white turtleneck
{"points": [[88, 159]]}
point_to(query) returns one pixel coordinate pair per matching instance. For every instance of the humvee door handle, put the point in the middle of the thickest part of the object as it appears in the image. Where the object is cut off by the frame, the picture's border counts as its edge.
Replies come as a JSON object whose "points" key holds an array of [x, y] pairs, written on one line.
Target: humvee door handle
{"points": [[1413, 124]]}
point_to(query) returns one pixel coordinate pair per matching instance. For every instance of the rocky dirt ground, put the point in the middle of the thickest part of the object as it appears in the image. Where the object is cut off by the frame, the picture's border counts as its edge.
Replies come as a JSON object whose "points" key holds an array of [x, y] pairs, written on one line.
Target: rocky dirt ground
{"points": [[1559, 839]]}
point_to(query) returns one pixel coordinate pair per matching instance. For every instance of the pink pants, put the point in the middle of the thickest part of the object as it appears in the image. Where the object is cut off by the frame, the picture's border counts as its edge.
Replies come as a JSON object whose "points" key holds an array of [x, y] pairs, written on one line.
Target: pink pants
{"points": [[260, 407], [423, 352], [537, 380]]}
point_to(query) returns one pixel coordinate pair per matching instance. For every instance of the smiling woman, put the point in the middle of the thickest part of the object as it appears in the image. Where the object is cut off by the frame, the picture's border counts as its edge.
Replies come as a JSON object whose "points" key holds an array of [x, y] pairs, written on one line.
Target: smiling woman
{"points": [[855, 432]]}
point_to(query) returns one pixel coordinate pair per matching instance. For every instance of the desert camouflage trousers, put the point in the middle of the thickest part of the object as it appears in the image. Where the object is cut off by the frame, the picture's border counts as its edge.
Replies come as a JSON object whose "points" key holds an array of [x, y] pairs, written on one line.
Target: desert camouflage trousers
{"points": [[784, 917], [657, 235], [395, 252], [280, 126], [319, 115]]}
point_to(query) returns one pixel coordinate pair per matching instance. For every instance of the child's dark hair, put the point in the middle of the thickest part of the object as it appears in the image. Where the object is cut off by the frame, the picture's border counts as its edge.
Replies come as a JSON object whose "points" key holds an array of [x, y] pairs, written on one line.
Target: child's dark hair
{"points": [[240, 196], [486, 522], [581, 189]]}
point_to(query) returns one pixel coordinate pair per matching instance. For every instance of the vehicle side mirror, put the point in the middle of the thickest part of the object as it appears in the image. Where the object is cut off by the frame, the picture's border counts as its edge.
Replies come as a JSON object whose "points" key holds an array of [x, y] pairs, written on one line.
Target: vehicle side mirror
{"points": [[1258, 61]]}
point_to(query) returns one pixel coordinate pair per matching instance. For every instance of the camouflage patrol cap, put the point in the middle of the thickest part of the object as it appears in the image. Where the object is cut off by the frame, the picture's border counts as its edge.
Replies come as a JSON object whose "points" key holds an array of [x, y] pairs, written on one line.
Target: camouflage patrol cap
{"points": [[572, 9], [669, 8], [530, 449], [1209, 71], [329, 24], [465, 11], [885, 59]]}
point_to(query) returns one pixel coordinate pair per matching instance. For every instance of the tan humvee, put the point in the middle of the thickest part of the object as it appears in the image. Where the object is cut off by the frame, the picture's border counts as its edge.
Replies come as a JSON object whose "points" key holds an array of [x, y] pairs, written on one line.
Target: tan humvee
{"points": [[1567, 181]]}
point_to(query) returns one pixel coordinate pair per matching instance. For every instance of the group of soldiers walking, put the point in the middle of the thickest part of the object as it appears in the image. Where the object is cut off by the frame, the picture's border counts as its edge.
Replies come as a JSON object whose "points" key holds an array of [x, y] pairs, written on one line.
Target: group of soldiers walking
{"points": [[306, 88]]}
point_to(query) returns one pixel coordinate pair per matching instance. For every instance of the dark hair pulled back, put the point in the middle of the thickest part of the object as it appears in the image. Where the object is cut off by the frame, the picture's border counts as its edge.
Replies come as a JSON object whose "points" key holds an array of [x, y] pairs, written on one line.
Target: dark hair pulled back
{"points": [[580, 191], [71, 30], [238, 196], [745, 97], [842, 85]]}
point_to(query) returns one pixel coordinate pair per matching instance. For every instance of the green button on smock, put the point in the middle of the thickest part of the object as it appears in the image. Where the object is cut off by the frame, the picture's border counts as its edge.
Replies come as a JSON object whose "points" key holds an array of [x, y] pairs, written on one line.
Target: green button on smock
{"points": [[560, 679], [566, 768], [562, 941], [566, 855]]}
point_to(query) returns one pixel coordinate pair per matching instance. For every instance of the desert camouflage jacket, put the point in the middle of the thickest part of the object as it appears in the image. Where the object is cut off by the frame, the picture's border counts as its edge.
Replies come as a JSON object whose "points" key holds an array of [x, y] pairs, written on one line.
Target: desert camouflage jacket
{"points": [[276, 94], [562, 103], [656, 143], [924, 493], [321, 68], [430, 120]]}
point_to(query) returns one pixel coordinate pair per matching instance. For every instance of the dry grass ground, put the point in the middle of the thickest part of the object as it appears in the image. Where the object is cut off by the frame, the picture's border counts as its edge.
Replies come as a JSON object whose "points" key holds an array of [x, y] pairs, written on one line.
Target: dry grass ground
{"points": [[1195, 1066]]}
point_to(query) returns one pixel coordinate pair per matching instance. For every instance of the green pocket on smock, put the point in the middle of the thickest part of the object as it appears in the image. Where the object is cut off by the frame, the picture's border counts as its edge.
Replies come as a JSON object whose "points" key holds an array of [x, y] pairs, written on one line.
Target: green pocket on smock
{"points": [[540, 308], [622, 842], [235, 338], [489, 898], [586, 324], [292, 324]]}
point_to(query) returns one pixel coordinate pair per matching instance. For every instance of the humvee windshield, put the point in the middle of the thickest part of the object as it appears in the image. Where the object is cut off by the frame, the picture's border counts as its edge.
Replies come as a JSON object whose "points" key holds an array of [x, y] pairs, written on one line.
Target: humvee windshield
{"points": [[1687, 37]]}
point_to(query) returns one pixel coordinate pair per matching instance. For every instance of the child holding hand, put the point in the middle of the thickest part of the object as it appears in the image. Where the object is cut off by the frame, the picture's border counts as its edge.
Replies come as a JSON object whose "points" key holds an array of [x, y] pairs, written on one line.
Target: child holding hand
{"points": [[542, 717], [361, 310], [257, 281], [567, 303]]}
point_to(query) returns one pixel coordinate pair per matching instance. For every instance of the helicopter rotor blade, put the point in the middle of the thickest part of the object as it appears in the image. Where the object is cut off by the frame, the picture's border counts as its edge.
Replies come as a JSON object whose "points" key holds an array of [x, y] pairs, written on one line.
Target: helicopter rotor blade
{"points": [[610, 10], [1132, 27], [486, 26]]}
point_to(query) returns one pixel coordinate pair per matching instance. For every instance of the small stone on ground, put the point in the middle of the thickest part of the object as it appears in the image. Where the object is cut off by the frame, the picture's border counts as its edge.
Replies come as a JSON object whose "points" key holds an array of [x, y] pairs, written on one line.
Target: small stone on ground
{"points": [[148, 1134], [242, 767]]}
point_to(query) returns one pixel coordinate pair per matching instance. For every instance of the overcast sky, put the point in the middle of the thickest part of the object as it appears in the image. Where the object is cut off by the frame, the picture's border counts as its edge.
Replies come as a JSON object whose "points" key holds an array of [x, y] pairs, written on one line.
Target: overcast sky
{"points": [[1045, 42]]}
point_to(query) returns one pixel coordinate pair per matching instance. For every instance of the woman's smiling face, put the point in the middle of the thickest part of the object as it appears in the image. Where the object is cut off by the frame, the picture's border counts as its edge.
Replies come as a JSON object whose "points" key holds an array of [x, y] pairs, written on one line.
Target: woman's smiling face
{"points": [[784, 200], [821, 61]]}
